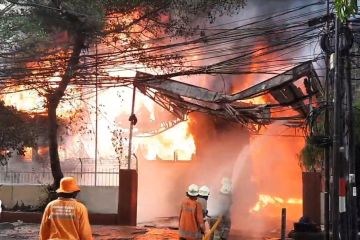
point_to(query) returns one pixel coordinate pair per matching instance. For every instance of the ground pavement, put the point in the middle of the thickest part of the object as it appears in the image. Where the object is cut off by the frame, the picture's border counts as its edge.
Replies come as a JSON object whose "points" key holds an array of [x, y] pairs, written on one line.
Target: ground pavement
{"points": [[31, 232], [20, 231]]}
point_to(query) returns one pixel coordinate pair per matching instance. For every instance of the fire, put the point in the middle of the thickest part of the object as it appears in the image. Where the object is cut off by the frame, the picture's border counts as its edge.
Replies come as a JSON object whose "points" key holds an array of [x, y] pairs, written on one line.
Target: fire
{"points": [[27, 154], [266, 200], [42, 151], [257, 100], [24, 100], [29, 100], [176, 143]]}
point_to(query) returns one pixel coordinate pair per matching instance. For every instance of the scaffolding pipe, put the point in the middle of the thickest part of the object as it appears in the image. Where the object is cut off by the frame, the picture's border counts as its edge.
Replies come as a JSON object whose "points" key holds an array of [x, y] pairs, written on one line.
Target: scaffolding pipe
{"points": [[283, 224], [96, 110], [131, 126]]}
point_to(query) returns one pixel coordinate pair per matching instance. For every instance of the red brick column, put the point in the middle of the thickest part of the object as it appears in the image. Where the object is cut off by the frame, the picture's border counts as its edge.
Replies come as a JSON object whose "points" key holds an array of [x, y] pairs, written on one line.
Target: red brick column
{"points": [[127, 205]]}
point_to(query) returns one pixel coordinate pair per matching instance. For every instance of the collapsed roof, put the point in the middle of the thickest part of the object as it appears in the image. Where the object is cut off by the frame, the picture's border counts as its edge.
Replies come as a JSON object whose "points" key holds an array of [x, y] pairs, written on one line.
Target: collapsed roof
{"points": [[293, 93]]}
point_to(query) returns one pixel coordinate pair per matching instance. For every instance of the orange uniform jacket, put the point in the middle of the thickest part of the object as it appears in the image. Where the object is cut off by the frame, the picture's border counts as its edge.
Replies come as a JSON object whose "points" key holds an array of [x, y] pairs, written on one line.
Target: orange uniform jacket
{"points": [[191, 220], [65, 219]]}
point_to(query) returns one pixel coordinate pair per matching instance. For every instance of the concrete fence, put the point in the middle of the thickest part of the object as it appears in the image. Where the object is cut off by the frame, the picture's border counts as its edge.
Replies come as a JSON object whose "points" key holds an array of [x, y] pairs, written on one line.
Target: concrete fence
{"points": [[108, 177], [97, 199]]}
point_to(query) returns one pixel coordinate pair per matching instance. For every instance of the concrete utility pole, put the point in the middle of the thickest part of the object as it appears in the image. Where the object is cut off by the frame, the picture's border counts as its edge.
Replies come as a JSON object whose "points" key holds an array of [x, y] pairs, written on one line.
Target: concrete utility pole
{"points": [[343, 191], [327, 133], [335, 145]]}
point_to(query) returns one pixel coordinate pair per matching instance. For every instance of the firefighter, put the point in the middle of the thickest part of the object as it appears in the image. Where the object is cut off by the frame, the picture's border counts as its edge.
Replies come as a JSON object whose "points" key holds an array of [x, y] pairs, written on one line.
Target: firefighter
{"points": [[191, 220], [204, 193], [225, 201], [66, 218]]}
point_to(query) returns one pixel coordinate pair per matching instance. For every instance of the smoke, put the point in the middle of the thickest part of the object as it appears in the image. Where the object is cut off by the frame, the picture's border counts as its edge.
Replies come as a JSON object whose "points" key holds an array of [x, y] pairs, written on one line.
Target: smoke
{"points": [[268, 165], [263, 164], [165, 182]]}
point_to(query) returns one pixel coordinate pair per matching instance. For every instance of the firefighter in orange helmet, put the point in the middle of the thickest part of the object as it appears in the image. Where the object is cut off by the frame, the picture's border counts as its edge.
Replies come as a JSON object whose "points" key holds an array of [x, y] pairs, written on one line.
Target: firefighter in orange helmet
{"points": [[191, 220], [66, 218]]}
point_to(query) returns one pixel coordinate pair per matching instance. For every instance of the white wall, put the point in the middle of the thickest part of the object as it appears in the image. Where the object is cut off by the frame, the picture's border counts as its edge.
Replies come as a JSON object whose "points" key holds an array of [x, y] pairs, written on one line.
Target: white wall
{"points": [[100, 199], [96, 199]]}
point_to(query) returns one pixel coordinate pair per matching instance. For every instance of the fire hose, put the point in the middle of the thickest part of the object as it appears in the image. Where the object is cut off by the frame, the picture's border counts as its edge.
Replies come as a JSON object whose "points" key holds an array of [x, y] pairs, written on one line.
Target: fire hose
{"points": [[218, 220]]}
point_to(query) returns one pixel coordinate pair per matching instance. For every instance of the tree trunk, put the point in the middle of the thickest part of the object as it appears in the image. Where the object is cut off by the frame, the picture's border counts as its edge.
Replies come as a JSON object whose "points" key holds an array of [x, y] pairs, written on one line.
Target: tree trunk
{"points": [[53, 100], [53, 144]]}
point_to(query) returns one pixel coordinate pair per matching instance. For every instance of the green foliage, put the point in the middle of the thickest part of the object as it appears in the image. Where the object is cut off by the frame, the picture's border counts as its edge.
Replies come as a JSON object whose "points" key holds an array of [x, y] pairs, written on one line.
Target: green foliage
{"points": [[345, 8], [17, 131], [310, 157], [34, 23], [18, 30]]}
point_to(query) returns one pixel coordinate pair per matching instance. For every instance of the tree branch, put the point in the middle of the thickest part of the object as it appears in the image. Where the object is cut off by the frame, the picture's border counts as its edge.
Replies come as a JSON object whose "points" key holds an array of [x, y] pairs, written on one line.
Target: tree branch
{"points": [[31, 4], [120, 28], [70, 70]]}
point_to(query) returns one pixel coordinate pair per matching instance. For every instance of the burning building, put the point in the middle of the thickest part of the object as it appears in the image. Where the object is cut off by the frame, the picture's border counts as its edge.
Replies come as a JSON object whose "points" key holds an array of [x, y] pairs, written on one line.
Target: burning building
{"points": [[212, 132]]}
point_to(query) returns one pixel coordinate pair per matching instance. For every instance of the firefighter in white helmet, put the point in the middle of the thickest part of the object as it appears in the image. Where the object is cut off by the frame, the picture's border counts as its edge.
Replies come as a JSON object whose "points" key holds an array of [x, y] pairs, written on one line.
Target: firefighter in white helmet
{"points": [[225, 201], [191, 219], [204, 193]]}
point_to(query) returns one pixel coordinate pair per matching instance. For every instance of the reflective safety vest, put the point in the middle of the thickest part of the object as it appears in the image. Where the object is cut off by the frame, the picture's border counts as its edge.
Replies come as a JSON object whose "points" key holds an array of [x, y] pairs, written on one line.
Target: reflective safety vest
{"points": [[191, 220], [65, 219]]}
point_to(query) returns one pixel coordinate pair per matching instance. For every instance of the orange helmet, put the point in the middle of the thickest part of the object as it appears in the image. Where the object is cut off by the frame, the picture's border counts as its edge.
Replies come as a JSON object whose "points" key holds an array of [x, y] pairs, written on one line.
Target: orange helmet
{"points": [[68, 185]]}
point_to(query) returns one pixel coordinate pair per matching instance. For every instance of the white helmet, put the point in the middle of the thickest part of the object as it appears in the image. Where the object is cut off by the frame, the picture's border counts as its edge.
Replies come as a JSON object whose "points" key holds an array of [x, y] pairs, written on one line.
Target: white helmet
{"points": [[204, 191], [225, 188], [193, 190]]}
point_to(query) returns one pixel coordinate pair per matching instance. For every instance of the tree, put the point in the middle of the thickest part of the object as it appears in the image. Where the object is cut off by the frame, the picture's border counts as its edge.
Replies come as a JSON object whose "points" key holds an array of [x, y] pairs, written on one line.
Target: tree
{"points": [[345, 8], [310, 157], [50, 39], [17, 131]]}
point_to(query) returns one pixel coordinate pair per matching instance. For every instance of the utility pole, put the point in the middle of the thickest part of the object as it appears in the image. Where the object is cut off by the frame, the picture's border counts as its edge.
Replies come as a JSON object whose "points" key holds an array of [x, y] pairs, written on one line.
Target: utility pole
{"points": [[327, 133], [335, 146], [343, 197]]}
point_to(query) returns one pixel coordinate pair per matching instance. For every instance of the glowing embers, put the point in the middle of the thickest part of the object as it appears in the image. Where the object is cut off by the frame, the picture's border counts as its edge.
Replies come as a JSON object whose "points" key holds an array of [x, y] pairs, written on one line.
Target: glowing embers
{"points": [[176, 143], [268, 200]]}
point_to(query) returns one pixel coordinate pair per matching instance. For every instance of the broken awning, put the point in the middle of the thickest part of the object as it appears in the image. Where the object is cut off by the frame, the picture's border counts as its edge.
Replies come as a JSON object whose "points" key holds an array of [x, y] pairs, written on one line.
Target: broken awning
{"points": [[289, 90]]}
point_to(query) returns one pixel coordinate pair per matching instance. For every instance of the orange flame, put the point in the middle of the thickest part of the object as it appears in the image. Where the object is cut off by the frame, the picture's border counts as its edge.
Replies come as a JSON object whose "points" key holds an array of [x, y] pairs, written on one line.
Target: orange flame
{"points": [[266, 200], [43, 150], [176, 143], [29, 100], [27, 154]]}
